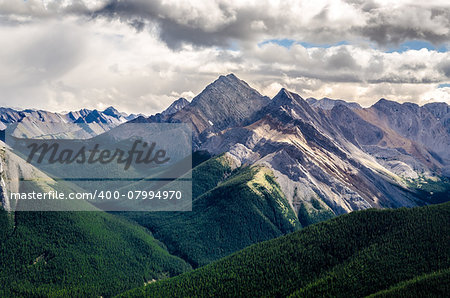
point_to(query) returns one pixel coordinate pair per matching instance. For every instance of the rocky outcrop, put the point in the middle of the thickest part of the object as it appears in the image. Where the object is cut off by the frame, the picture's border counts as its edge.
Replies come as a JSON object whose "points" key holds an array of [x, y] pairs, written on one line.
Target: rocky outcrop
{"points": [[4, 203]]}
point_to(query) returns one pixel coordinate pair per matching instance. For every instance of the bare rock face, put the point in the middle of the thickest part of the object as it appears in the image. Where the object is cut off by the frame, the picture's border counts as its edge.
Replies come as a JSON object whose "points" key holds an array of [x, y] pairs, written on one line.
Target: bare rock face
{"points": [[227, 102], [418, 124], [400, 155], [354, 128], [441, 111], [8, 115]]}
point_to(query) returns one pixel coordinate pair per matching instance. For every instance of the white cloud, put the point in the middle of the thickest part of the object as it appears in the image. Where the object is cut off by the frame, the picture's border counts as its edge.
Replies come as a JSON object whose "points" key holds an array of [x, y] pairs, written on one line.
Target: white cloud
{"points": [[65, 63]]}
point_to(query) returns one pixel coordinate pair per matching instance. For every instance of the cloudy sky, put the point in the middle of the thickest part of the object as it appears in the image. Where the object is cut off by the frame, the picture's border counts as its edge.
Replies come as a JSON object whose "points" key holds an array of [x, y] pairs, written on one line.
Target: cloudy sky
{"points": [[140, 55]]}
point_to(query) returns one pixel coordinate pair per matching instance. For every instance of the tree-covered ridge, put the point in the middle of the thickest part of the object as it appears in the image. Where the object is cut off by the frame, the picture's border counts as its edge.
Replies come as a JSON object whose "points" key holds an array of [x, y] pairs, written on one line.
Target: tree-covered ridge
{"points": [[231, 209], [87, 254], [435, 284], [356, 255]]}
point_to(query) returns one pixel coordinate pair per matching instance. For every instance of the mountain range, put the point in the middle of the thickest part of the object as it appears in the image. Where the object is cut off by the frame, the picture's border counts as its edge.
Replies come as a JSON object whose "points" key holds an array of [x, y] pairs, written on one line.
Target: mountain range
{"points": [[323, 162], [328, 156], [262, 168], [345, 156]]}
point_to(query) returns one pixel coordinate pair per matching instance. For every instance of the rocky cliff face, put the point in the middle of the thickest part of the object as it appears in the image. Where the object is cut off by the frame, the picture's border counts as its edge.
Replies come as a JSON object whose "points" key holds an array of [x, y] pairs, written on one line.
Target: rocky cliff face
{"points": [[227, 102], [3, 195], [416, 123], [415, 138], [441, 111]]}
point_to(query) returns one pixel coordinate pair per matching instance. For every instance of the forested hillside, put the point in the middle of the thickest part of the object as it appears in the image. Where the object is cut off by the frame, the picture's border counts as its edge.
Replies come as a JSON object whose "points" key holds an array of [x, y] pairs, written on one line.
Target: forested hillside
{"points": [[434, 284], [231, 210], [85, 254], [358, 254]]}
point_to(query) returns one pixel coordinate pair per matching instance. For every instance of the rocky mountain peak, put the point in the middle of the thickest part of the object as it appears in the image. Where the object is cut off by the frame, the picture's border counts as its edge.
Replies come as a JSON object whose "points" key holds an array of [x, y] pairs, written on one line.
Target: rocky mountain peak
{"points": [[225, 84], [285, 96], [111, 111], [224, 103], [291, 100], [384, 103], [287, 105], [230, 77], [175, 106]]}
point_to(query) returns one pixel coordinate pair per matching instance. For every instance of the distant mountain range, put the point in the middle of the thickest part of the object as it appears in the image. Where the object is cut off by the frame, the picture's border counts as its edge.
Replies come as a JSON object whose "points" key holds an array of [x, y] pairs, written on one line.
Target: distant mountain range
{"points": [[83, 123], [108, 116], [87, 123], [328, 103]]}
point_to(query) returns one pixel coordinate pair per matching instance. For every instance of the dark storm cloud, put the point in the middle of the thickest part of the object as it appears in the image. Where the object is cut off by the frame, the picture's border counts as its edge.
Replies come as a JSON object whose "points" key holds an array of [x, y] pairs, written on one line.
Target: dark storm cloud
{"points": [[173, 32], [384, 25], [220, 23], [342, 60], [389, 34], [415, 67], [396, 79], [394, 26], [241, 24]]}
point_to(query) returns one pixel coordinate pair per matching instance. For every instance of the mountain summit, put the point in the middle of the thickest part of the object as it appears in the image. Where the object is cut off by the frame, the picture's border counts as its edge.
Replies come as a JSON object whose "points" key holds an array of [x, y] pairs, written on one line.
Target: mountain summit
{"points": [[227, 102], [175, 106]]}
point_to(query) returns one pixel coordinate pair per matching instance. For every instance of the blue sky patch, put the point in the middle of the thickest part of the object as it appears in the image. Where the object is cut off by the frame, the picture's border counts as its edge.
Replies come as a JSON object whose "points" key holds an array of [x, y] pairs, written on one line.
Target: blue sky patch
{"points": [[406, 46], [324, 45], [287, 43], [416, 45]]}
